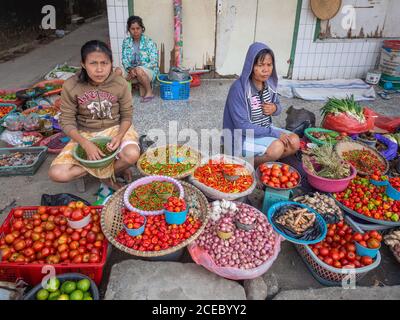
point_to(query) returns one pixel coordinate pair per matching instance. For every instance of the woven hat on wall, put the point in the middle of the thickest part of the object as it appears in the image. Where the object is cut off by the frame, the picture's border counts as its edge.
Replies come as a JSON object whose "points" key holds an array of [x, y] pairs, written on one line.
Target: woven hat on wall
{"points": [[325, 9]]}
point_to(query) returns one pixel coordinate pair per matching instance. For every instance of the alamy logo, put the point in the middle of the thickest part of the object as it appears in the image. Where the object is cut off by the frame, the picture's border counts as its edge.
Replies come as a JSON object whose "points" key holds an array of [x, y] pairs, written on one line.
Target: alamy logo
{"points": [[349, 20], [49, 20]]}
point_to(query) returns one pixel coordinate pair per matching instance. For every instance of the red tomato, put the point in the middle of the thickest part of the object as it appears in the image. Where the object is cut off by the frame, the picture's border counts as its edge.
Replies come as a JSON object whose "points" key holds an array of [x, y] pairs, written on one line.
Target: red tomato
{"points": [[351, 256], [328, 260], [18, 213], [366, 261], [324, 252]]}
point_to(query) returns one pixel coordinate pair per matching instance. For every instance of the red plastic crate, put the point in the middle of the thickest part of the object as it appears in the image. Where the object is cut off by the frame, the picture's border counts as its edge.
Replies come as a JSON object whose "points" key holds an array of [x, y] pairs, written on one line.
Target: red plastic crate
{"points": [[32, 273]]}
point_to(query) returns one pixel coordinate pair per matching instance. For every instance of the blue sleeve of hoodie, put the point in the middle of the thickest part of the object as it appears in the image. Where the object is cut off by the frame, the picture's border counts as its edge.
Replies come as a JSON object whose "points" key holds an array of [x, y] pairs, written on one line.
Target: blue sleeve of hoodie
{"points": [[238, 110], [278, 105]]}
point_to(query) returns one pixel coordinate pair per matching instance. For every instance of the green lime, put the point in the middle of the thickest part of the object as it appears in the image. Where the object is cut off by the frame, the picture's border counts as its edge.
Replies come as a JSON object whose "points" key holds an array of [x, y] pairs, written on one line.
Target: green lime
{"points": [[83, 285], [42, 294], [86, 294], [68, 287], [53, 284], [88, 298], [54, 295], [76, 295], [63, 297]]}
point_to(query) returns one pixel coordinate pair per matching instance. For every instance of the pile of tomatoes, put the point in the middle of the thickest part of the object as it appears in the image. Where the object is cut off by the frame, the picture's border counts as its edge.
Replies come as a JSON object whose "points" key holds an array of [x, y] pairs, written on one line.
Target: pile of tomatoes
{"points": [[5, 111], [279, 176], [175, 204], [46, 238], [395, 182], [133, 220], [369, 200], [370, 239], [158, 235], [76, 211], [338, 249]]}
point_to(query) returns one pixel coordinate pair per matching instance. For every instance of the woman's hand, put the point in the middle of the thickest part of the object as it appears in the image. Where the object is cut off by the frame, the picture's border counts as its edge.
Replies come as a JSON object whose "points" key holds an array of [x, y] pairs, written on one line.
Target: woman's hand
{"points": [[92, 151], [115, 143], [269, 108], [285, 139]]}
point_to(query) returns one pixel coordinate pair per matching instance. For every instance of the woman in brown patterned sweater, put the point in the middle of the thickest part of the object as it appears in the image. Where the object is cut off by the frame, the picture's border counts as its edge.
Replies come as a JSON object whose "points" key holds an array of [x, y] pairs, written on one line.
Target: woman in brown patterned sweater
{"points": [[98, 102]]}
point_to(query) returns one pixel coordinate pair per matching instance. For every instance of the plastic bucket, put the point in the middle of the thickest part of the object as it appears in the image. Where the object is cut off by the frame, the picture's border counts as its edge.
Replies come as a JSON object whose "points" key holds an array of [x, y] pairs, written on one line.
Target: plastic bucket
{"points": [[175, 217], [329, 185], [138, 231], [81, 223], [363, 251]]}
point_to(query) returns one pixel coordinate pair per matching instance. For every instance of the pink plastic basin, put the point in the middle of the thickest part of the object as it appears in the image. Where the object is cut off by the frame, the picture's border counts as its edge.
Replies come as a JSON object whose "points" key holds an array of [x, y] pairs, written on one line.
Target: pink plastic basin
{"points": [[329, 185]]}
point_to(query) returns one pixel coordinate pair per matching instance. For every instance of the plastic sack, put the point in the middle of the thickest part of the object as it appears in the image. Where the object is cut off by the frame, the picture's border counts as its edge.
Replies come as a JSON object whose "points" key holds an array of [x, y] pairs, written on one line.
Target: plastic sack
{"points": [[14, 122], [178, 74], [12, 291], [202, 258], [32, 122], [61, 199], [390, 124], [218, 195], [298, 120], [391, 152], [13, 138], [344, 123]]}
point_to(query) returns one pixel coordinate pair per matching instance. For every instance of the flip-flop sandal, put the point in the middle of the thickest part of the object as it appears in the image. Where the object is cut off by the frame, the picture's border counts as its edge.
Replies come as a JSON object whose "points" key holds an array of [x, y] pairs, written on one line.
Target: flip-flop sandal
{"points": [[146, 99]]}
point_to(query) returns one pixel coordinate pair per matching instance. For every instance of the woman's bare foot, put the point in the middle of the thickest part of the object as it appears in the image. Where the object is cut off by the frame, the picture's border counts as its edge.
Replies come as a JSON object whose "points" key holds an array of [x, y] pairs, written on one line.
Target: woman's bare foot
{"points": [[127, 175], [112, 184]]}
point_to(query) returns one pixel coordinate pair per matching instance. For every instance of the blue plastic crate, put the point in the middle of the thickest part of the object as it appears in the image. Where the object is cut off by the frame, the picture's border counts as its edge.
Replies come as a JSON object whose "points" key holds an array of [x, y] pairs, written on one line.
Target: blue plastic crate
{"points": [[274, 196], [173, 90]]}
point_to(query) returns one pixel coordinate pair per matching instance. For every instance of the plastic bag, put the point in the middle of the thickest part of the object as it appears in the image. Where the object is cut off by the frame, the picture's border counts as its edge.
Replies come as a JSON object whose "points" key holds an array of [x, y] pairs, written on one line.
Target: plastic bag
{"points": [[13, 138], [202, 258], [390, 124], [345, 123], [14, 122], [12, 291], [218, 195], [178, 74], [298, 120], [61, 199], [32, 122], [391, 152]]}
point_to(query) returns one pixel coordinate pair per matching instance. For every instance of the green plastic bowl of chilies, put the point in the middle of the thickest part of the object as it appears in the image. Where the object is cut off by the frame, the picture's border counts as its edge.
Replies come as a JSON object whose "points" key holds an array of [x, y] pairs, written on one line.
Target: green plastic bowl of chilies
{"points": [[79, 153]]}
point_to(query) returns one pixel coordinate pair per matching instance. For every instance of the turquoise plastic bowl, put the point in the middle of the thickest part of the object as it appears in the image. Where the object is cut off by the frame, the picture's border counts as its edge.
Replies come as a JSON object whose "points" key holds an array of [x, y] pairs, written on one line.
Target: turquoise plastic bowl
{"points": [[379, 183], [320, 221], [392, 192], [136, 232], [175, 217], [363, 251], [95, 164]]}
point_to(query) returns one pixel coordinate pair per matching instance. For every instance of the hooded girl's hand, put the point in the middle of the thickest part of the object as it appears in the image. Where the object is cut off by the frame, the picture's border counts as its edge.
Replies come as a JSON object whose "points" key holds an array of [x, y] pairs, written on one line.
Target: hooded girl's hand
{"points": [[269, 108]]}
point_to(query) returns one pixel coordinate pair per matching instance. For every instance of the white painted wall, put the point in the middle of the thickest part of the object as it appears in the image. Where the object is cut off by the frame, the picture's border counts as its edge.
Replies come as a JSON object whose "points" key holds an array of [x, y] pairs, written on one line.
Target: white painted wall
{"points": [[331, 58], [237, 25], [198, 28], [235, 32], [275, 27]]}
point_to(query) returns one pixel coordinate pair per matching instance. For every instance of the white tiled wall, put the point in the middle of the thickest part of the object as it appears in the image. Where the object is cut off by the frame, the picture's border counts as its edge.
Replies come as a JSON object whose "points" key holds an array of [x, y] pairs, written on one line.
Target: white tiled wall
{"points": [[118, 14], [330, 59]]}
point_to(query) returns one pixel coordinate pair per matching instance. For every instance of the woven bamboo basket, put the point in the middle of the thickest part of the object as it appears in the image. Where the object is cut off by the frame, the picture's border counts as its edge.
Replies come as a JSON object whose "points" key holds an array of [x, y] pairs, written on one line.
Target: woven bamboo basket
{"points": [[111, 221], [345, 146], [195, 158]]}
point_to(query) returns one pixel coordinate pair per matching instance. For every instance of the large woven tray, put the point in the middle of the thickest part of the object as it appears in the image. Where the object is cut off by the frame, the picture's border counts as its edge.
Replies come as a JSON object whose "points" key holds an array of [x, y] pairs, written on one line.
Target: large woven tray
{"points": [[195, 157], [111, 221], [345, 146]]}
